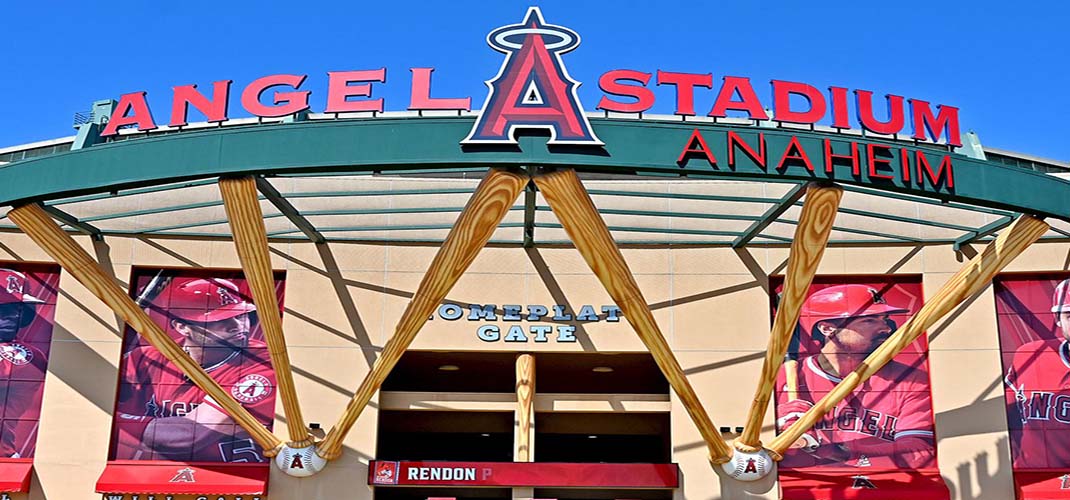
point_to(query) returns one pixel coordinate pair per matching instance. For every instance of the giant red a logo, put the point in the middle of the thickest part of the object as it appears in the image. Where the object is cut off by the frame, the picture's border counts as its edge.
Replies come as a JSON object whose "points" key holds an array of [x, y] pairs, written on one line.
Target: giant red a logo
{"points": [[532, 89]]}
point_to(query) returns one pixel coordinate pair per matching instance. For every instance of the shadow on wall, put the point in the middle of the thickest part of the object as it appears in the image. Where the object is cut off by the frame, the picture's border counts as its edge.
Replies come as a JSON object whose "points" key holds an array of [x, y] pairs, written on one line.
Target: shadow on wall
{"points": [[990, 485]]}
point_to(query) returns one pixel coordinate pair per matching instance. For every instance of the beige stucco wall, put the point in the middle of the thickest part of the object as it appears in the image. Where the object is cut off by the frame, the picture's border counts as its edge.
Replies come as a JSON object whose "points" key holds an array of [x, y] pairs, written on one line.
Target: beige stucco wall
{"points": [[343, 299]]}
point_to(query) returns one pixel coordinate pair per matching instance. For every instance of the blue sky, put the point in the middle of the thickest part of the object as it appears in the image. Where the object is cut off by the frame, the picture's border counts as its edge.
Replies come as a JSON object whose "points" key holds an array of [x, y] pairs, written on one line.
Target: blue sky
{"points": [[1006, 65]]}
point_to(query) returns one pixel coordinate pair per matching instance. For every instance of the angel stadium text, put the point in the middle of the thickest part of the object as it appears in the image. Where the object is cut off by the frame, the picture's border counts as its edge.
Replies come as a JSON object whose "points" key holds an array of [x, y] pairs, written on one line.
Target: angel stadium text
{"points": [[624, 91]]}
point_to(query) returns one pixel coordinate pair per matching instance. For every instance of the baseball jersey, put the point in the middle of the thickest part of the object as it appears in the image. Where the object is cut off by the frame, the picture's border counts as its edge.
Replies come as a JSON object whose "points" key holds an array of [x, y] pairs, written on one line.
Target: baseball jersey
{"points": [[869, 426], [153, 388], [22, 383], [1038, 399]]}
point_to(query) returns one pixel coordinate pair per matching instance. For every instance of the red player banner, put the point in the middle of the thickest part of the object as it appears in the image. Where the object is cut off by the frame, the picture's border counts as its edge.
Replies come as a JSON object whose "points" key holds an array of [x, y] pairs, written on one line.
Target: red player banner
{"points": [[1033, 317], [522, 474], [160, 414], [27, 312], [886, 425]]}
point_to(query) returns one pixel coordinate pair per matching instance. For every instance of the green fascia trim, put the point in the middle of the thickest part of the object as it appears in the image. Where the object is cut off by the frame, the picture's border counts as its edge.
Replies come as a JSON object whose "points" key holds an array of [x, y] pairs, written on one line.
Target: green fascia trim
{"points": [[385, 144]]}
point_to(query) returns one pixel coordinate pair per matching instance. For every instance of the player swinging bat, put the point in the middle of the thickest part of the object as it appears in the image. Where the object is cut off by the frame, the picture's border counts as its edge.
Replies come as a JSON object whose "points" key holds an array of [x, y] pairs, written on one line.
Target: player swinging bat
{"points": [[887, 421], [162, 415]]}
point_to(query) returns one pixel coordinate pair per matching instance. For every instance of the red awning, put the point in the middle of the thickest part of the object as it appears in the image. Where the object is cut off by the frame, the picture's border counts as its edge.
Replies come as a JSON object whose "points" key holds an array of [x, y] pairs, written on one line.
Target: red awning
{"points": [[862, 484], [1042, 484], [15, 474], [131, 476], [522, 474]]}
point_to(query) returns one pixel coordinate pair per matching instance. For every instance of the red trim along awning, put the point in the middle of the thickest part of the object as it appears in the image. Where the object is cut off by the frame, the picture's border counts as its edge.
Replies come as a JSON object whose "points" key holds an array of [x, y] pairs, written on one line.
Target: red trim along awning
{"points": [[15, 475], [1042, 484], [523, 474], [195, 478], [862, 484]]}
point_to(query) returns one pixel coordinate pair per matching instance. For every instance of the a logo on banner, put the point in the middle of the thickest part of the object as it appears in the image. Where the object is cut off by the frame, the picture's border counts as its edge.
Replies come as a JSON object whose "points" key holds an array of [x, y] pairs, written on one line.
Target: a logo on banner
{"points": [[14, 284], [532, 90], [862, 483], [183, 476], [16, 354], [251, 388], [386, 473], [1064, 482]]}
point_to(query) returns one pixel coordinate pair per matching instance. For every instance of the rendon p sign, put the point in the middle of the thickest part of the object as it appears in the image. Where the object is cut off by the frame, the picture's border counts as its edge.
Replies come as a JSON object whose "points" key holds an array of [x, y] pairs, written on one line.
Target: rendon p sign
{"points": [[533, 90]]}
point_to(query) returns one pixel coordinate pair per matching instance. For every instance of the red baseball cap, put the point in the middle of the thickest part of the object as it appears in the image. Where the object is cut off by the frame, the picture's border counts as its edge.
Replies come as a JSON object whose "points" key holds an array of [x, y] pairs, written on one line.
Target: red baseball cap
{"points": [[206, 300], [15, 288]]}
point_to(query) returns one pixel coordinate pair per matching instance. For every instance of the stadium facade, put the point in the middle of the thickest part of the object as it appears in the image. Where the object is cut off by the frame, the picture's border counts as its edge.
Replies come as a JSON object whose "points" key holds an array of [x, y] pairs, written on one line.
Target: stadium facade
{"points": [[532, 300]]}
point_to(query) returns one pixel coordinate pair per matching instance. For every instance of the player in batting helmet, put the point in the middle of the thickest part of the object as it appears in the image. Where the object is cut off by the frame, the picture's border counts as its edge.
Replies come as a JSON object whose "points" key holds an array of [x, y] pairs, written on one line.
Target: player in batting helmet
{"points": [[209, 313], [852, 317]]}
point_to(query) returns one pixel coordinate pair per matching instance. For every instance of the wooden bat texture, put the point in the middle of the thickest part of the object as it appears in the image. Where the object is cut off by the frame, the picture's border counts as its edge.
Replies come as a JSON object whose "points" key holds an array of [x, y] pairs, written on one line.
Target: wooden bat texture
{"points": [[481, 216], [572, 204], [525, 407], [791, 379], [807, 248], [973, 276], [36, 223], [240, 198]]}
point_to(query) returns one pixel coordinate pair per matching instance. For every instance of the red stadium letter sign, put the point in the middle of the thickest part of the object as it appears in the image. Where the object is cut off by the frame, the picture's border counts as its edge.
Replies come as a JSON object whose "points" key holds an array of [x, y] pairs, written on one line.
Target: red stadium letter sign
{"points": [[339, 90], [421, 94], [947, 120], [615, 83], [285, 103], [782, 92], [214, 109], [685, 84], [131, 110]]}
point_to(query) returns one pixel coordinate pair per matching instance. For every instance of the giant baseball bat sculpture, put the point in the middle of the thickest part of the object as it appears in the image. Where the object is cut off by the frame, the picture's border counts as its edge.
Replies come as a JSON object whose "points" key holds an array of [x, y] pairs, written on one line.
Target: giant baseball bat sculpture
{"points": [[973, 276], [36, 223], [246, 220], [572, 204], [525, 407], [485, 210], [811, 236]]}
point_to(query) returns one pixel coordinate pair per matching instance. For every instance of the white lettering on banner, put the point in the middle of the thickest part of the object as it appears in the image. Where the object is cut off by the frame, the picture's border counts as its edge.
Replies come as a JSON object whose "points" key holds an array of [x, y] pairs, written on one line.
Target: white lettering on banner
{"points": [[443, 473]]}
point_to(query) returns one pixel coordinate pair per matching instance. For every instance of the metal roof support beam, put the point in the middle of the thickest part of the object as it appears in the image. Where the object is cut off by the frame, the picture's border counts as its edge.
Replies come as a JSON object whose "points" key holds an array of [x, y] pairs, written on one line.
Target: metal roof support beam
{"points": [[981, 232], [771, 215], [288, 210], [73, 221], [529, 215]]}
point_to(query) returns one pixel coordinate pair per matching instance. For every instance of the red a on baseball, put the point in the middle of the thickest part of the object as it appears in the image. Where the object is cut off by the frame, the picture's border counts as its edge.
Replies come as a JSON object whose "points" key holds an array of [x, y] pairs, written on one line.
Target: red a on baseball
{"points": [[748, 466], [299, 462]]}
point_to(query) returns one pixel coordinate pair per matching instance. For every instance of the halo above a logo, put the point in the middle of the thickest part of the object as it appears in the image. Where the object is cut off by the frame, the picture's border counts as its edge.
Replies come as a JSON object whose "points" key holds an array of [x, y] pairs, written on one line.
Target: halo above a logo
{"points": [[532, 89]]}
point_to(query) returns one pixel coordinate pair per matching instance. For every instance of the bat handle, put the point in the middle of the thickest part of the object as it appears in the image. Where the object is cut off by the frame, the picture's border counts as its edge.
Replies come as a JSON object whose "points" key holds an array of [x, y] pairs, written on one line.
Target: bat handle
{"points": [[791, 379]]}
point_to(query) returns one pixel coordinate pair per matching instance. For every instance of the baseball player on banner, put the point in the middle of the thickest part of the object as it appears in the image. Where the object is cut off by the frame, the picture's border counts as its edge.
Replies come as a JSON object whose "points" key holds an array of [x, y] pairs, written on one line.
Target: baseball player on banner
{"points": [[161, 414], [1038, 375], [22, 364], [887, 422]]}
